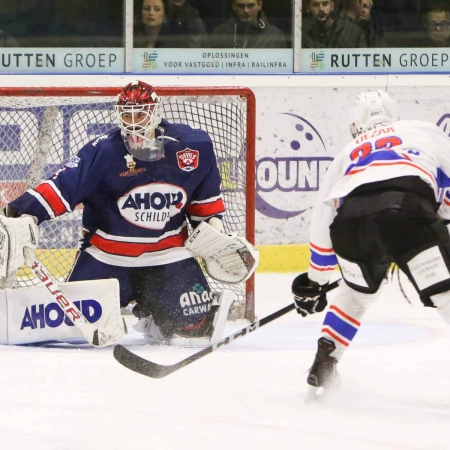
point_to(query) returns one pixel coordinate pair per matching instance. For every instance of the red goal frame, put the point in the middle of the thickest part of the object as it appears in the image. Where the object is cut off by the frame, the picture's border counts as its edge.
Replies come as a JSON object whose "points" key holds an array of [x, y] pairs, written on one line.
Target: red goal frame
{"points": [[243, 92]]}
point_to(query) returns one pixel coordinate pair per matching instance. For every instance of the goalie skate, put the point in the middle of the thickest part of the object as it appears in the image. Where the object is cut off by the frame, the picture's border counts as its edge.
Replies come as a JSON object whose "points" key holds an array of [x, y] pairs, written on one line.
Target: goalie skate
{"points": [[151, 331]]}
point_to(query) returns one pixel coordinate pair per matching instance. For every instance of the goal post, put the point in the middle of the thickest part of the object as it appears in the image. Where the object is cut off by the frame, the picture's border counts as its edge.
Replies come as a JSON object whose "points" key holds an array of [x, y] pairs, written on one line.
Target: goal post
{"points": [[41, 128]]}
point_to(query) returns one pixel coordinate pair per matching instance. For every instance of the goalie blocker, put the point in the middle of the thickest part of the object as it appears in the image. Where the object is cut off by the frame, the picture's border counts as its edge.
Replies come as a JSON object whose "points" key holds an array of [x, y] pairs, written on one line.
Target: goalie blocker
{"points": [[226, 258]]}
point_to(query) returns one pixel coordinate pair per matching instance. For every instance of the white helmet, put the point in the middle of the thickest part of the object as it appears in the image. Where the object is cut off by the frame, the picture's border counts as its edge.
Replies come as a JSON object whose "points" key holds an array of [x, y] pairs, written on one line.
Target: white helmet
{"points": [[139, 112], [373, 109]]}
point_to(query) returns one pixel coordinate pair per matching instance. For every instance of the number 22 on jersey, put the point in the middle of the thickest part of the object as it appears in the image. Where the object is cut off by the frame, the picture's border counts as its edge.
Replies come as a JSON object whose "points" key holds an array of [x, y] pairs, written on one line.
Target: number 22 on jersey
{"points": [[367, 147]]}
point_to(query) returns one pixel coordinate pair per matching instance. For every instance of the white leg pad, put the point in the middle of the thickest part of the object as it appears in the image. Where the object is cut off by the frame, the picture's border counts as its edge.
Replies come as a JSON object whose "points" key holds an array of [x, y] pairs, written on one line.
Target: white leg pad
{"points": [[194, 342], [29, 315], [442, 303], [225, 299]]}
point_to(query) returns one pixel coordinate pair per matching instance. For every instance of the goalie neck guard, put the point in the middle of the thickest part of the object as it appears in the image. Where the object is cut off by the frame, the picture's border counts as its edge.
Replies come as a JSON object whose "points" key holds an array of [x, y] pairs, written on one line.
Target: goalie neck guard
{"points": [[139, 112], [373, 109]]}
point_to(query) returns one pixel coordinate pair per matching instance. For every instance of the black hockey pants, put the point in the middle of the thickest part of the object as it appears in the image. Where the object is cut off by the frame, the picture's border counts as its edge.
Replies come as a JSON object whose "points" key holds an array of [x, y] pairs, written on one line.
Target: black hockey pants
{"points": [[389, 222]]}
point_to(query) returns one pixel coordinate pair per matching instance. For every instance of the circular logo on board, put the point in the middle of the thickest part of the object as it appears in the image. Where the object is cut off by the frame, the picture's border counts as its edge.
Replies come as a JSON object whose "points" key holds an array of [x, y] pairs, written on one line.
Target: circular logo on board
{"points": [[286, 183]]}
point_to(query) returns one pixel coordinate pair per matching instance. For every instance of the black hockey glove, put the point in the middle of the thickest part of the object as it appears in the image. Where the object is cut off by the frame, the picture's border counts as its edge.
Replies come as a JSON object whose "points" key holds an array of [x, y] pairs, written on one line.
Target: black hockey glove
{"points": [[309, 297]]}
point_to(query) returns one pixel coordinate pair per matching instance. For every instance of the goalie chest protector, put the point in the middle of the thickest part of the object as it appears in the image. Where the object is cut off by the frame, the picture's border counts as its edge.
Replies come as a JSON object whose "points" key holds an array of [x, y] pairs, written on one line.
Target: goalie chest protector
{"points": [[132, 207]]}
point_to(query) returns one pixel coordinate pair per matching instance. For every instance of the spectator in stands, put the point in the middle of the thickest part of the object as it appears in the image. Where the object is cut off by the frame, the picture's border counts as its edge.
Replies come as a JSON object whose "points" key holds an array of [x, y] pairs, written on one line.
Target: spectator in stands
{"points": [[186, 24], [248, 27], [437, 24], [360, 12], [6, 40], [369, 21], [212, 12], [281, 14], [152, 30], [351, 8], [366, 9], [323, 27]]}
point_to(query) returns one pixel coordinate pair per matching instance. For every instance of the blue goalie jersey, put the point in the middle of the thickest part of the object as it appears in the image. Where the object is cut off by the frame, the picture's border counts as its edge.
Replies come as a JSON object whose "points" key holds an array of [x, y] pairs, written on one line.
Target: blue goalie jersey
{"points": [[135, 213]]}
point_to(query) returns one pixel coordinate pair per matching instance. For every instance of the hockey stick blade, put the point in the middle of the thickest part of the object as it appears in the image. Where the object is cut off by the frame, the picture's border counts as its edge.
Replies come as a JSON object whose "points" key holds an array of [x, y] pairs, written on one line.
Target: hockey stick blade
{"points": [[153, 370]]}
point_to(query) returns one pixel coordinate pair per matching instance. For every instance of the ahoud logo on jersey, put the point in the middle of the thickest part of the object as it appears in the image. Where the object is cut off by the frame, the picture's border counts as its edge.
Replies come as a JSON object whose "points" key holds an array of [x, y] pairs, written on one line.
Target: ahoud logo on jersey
{"points": [[152, 205]]}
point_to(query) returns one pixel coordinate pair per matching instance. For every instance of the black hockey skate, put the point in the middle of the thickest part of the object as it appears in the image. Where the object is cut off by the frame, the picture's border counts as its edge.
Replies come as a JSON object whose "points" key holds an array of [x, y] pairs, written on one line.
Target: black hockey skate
{"points": [[323, 374]]}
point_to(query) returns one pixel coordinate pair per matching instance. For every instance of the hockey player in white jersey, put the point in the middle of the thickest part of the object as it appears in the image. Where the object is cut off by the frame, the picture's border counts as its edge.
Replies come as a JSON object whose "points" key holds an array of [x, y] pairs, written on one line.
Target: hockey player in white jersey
{"points": [[378, 204]]}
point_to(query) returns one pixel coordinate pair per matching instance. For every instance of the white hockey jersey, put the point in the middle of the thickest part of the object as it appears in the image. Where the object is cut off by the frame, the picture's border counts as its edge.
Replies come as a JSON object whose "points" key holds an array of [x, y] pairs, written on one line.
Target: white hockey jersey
{"points": [[404, 148]]}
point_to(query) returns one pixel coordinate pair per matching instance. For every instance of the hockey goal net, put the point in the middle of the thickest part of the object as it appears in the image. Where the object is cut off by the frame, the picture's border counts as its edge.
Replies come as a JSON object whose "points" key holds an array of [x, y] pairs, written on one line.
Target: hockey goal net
{"points": [[41, 128]]}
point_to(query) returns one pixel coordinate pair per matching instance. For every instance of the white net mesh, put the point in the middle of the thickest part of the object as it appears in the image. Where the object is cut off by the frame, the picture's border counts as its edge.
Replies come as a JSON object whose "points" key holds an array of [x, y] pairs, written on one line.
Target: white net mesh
{"points": [[39, 134]]}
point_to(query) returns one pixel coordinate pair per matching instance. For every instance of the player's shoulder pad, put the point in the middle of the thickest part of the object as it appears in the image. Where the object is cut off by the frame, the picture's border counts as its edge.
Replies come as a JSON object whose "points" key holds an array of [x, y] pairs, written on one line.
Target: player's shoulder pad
{"points": [[184, 133], [442, 128], [103, 142], [108, 138], [174, 130], [197, 138]]}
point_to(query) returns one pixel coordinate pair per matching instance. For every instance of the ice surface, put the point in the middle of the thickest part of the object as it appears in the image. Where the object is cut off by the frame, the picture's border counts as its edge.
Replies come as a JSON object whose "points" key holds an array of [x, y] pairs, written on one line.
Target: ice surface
{"points": [[246, 395]]}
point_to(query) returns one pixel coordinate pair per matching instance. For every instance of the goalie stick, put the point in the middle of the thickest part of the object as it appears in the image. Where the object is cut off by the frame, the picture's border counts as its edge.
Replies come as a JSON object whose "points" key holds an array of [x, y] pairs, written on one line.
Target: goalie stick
{"points": [[153, 370], [93, 335]]}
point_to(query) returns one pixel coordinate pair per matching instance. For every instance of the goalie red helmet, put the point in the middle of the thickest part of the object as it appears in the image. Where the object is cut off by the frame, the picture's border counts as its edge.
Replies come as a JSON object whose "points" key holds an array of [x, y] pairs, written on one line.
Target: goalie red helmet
{"points": [[139, 112], [373, 109], [137, 93]]}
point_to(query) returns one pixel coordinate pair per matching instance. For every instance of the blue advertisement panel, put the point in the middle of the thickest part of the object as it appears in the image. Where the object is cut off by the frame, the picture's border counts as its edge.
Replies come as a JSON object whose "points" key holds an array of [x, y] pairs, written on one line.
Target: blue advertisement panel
{"points": [[385, 60], [61, 60], [220, 61]]}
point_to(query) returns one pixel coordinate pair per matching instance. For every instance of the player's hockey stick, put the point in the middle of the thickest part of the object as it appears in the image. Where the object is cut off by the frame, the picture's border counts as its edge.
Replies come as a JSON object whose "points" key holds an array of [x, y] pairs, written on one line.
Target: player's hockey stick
{"points": [[92, 334], [150, 369]]}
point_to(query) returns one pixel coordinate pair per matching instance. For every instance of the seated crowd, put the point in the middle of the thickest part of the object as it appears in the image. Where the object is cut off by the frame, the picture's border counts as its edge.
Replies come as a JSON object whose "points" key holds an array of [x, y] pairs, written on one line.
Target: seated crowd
{"points": [[177, 24], [157, 24], [230, 24], [373, 23]]}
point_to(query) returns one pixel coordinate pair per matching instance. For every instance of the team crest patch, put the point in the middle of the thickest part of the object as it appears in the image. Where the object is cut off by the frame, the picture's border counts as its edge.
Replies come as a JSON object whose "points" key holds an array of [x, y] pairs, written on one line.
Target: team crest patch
{"points": [[187, 159]]}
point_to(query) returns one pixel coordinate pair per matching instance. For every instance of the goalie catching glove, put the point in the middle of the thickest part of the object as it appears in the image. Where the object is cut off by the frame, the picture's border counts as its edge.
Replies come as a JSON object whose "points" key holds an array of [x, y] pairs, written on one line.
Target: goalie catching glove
{"points": [[309, 297], [15, 234], [226, 258]]}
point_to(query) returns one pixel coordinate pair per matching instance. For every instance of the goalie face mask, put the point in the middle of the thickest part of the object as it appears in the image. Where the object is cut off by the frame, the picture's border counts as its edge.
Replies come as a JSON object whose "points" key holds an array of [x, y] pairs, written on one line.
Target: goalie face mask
{"points": [[145, 148], [139, 112]]}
